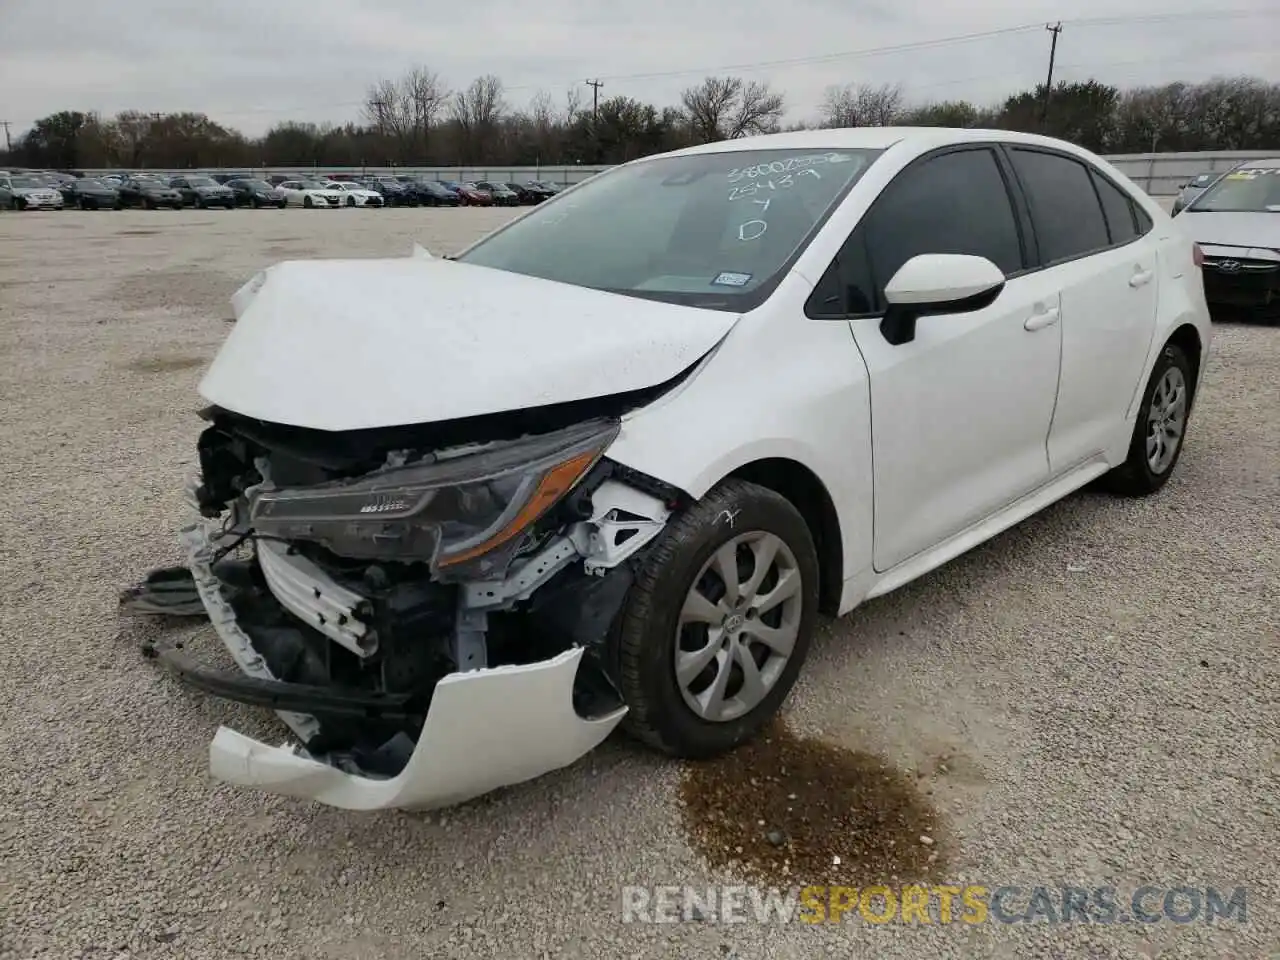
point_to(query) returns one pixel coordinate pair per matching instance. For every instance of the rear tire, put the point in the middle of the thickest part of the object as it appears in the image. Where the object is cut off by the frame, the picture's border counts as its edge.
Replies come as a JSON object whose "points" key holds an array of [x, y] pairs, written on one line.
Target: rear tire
{"points": [[680, 608], [1161, 427], [306, 203]]}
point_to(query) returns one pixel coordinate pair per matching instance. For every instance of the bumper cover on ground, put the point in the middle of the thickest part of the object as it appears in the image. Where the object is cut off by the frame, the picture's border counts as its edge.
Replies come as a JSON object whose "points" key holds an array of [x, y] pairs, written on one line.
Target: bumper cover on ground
{"points": [[484, 729]]}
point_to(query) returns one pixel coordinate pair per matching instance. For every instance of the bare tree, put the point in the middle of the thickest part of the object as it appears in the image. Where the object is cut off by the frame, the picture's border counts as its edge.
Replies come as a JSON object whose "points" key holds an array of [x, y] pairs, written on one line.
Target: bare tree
{"points": [[725, 108], [406, 109], [861, 105], [477, 110]]}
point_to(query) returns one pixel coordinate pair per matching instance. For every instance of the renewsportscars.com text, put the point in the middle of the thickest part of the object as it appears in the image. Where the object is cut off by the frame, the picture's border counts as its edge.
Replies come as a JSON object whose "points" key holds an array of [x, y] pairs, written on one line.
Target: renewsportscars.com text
{"points": [[939, 904]]}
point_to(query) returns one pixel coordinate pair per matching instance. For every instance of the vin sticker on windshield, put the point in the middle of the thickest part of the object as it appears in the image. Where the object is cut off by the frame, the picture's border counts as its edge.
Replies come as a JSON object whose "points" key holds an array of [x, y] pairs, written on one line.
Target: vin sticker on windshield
{"points": [[732, 279]]}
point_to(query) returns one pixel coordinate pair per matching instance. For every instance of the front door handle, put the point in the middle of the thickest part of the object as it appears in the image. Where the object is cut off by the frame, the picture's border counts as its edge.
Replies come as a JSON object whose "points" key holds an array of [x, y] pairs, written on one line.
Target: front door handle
{"points": [[1038, 321], [1141, 278]]}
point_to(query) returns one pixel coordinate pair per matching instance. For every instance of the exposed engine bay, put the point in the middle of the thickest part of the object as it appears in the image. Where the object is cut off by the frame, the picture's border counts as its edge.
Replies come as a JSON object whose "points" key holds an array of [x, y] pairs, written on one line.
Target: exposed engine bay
{"points": [[353, 576]]}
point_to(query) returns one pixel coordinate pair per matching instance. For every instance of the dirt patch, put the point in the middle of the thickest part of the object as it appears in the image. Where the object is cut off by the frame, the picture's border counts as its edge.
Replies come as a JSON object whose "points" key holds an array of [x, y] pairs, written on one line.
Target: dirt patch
{"points": [[788, 810], [165, 364], [174, 288]]}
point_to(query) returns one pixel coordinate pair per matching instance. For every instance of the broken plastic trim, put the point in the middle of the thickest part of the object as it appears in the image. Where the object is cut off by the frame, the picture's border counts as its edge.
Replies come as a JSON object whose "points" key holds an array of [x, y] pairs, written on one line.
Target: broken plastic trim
{"points": [[280, 695]]}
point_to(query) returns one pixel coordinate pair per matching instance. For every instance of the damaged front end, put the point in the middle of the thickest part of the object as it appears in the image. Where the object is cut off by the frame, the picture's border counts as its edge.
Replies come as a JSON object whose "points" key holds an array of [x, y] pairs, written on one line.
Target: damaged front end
{"points": [[430, 618]]}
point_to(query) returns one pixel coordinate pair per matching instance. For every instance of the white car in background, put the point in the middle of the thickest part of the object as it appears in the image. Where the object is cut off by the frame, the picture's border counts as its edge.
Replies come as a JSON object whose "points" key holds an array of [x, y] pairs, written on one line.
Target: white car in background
{"points": [[1236, 222], [312, 194], [724, 389], [355, 195]]}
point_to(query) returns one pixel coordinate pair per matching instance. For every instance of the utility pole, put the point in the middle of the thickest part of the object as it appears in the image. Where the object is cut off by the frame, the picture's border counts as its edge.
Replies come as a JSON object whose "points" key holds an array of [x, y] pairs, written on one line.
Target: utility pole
{"points": [[595, 86], [8, 144], [1048, 84]]}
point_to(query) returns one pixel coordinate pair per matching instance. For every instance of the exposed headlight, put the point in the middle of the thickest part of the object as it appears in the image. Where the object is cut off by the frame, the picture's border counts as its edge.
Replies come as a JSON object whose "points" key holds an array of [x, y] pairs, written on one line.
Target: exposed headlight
{"points": [[446, 511]]}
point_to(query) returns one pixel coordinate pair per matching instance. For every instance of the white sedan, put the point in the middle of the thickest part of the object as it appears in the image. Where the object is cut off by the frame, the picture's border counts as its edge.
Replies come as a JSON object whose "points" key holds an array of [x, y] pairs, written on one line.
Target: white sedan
{"points": [[312, 194], [355, 195], [725, 390]]}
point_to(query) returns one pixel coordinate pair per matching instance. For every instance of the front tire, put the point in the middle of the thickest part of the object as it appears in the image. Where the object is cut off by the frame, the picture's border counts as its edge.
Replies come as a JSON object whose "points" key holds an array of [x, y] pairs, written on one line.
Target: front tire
{"points": [[718, 622], [1160, 429]]}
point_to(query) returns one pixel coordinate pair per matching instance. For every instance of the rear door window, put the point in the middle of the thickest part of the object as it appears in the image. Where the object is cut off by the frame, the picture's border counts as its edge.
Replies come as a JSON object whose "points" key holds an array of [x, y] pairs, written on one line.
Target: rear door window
{"points": [[1065, 208]]}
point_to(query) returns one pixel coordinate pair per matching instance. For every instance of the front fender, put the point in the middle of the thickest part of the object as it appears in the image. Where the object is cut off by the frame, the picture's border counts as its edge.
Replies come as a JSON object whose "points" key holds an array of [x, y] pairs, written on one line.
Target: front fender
{"points": [[779, 386]]}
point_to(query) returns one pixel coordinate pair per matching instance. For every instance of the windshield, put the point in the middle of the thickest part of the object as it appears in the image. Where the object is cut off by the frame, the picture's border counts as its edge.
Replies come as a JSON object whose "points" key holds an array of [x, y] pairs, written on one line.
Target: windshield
{"points": [[255, 184], [311, 185], [200, 182], [1252, 190], [1203, 180], [713, 230], [90, 183], [26, 182]]}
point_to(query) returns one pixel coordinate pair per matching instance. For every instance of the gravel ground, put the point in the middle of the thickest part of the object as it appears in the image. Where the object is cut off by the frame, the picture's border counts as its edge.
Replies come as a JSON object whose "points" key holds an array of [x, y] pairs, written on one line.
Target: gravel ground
{"points": [[1090, 699]]}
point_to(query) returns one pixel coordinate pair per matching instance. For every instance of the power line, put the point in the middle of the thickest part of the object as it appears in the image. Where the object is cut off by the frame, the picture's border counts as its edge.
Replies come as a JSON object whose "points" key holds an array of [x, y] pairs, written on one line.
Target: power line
{"points": [[865, 52]]}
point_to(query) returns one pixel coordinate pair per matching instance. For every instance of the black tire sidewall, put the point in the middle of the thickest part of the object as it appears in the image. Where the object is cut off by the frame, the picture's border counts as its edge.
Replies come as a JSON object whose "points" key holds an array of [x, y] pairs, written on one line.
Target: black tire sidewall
{"points": [[646, 636], [1170, 356]]}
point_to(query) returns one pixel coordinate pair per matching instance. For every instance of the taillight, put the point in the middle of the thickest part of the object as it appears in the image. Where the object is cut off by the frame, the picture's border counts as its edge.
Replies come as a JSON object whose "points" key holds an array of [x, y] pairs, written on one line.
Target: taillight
{"points": [[1197, 255]]}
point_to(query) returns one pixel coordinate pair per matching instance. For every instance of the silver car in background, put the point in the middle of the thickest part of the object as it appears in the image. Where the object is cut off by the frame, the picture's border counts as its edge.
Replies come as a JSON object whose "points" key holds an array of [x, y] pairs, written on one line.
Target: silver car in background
{"points": [[1190, 189], [1236, 223], [21, 191]]}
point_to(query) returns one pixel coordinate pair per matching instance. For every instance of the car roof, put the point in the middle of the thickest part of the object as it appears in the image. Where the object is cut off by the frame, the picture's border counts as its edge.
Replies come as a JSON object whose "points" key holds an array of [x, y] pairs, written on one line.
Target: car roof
{"points": [[873, 138]]}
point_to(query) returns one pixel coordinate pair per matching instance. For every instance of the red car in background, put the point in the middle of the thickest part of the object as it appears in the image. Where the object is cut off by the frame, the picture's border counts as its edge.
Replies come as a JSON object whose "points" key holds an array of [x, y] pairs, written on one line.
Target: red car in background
{"points": [[469, 195]]}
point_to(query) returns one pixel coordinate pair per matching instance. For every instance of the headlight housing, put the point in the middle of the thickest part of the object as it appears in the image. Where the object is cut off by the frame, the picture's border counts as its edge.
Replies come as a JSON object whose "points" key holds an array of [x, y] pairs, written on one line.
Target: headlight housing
{"points": [[464, 511]]}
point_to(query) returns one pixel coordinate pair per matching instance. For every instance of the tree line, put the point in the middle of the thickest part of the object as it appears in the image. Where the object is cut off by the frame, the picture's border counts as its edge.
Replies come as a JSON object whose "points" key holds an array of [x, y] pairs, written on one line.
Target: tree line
{"points": [[417, 120]]}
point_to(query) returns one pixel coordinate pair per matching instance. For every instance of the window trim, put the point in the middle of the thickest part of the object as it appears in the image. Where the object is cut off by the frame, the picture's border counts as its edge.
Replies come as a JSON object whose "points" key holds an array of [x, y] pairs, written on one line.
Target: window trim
{"points": [[1027, 246], [1090, 171]]}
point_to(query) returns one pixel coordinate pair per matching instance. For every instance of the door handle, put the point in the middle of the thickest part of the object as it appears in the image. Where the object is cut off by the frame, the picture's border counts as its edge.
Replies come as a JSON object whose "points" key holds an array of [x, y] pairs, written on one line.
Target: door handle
{"points": [[1141, 278], [1038, 321]]}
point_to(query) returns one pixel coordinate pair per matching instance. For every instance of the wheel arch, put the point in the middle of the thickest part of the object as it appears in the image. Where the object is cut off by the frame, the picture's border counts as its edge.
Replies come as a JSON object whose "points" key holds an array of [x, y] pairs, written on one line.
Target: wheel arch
{"points": [[1187, 338], [809, 495]]}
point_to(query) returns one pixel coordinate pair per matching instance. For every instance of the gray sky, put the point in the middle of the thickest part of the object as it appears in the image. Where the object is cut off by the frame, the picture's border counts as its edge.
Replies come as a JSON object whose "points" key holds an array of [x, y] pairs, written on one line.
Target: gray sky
{"points": [[253, 63]]}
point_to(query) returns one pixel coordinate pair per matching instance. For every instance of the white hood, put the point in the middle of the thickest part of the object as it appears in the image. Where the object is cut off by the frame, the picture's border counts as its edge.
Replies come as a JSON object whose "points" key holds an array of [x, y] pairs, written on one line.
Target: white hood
{"points": [[1259, 232], [349, 344]]}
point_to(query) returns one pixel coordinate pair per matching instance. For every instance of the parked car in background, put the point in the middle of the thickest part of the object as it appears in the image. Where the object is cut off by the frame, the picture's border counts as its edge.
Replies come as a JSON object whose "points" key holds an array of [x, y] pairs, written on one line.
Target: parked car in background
{"points": [[251, 192], [201, 192], [469, 194], [1192, 188], [276, 179], [503, 196], [148, 192], [608, 486], [431, 193], [355, 194], [541, 189], [311, 194], [89, 193], [228, 177], [25, 191], [394, 193], [1236, 223], [523, 194]]}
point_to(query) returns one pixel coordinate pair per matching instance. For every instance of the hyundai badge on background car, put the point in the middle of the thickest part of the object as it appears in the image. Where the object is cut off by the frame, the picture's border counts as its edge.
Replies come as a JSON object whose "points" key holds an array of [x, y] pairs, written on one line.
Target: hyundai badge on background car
{"points": [[1236, 223], [461, 518]]}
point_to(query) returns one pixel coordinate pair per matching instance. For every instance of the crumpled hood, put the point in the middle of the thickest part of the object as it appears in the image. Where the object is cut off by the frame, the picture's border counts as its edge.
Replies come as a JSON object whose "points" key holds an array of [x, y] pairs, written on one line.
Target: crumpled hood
{"points": [[1243, 231], [350, 344]]}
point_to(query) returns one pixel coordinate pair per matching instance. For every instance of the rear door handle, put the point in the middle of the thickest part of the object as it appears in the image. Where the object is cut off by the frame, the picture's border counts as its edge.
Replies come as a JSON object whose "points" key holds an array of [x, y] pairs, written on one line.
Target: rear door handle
{"points": [[1038, 321], [1141, 278]]}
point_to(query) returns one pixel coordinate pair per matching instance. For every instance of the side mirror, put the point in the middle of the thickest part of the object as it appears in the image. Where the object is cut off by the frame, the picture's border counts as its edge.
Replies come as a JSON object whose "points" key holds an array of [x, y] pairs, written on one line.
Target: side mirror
{"points": [[937, 283]]}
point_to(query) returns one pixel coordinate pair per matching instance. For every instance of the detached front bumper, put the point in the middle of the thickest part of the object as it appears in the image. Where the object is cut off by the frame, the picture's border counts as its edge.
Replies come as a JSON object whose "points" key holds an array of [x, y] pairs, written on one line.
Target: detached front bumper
{"points": [[483, 729]]}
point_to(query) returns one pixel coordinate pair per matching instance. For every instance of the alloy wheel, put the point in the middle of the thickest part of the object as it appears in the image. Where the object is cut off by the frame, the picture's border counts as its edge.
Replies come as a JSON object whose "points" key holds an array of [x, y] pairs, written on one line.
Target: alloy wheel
{"points": [[738, 626], [1166, 420]]}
